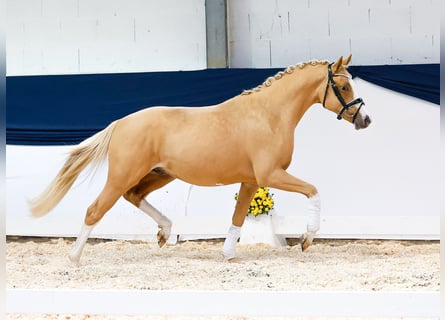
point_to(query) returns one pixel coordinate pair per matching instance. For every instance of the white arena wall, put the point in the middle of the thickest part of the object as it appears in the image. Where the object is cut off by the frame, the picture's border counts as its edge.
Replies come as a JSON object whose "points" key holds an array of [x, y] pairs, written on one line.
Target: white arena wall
{"points": [[377, 183], [278, 33], [101, 36]]}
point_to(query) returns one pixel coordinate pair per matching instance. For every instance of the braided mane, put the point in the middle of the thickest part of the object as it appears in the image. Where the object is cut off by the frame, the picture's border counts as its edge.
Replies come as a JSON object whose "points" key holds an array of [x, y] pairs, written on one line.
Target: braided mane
{"points": [[290, 69]]}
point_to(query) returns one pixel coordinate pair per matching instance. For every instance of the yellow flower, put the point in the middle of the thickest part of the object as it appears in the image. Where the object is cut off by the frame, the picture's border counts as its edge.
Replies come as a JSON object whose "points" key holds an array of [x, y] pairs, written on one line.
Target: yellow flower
{"points": [[261, 203]]}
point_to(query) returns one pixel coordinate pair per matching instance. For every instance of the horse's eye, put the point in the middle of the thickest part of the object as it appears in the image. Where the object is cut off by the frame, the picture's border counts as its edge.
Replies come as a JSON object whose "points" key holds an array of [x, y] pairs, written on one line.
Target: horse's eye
{"points": [[344, 88]]}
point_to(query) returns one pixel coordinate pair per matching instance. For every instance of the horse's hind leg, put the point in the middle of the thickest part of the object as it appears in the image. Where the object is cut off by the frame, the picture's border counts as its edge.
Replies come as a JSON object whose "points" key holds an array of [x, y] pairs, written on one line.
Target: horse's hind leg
{"points": [[95, 212], [136, 195]]}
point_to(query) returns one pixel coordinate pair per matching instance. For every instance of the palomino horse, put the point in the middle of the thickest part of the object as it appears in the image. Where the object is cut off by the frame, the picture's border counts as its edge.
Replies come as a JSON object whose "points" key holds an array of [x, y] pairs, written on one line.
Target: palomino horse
{"points": [[247, 139]]}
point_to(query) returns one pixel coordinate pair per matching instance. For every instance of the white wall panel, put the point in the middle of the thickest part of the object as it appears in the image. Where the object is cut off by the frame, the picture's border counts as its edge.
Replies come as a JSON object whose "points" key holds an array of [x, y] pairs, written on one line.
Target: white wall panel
{"points": [[358, 17], [375, 32], [226, 304], [58, 8], [23, 8], [390, 21], [423, 19], [422, 52], [329, 48], [95, 36], [101, 36], [375, 46]]}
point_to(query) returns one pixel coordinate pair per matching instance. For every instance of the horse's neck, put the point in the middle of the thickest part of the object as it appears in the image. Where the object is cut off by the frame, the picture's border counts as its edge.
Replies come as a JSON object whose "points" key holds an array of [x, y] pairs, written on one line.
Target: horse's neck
{"points": [[290, 97]]}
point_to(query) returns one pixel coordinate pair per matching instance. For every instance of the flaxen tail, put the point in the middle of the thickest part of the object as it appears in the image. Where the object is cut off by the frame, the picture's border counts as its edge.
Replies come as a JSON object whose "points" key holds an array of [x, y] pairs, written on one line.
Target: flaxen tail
{"points": [[93, 150]]}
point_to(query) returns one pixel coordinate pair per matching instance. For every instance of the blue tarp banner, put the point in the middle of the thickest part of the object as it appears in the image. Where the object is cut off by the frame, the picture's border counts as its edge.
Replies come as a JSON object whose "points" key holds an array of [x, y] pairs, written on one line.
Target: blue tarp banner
{"points": [[420, 80], [66, 109]]}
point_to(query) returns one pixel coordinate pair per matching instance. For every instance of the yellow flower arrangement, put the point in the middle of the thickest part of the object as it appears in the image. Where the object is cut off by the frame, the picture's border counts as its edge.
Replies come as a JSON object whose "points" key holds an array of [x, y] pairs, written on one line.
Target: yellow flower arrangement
{"points": [[261, 203]]}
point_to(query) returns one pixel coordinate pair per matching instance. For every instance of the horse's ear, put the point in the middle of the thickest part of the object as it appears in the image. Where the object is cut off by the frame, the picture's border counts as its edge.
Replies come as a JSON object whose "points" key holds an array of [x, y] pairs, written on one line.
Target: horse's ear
{"points": [[336, 66], [347, 60]]}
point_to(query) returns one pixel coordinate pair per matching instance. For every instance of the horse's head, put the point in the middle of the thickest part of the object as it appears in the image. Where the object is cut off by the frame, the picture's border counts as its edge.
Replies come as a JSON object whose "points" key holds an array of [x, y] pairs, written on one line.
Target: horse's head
{"points": [[340, 96]]}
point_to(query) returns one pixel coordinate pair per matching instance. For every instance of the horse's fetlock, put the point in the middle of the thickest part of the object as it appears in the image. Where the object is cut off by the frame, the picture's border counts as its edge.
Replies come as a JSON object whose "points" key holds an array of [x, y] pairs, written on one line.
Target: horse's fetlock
{"points": [[312, 191], [165, 222]]}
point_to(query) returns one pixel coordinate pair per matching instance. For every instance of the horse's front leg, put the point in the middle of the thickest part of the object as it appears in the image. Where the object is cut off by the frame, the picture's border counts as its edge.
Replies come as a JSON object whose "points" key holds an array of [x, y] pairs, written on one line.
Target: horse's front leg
{"points": [[246, 193], [282, 180]]}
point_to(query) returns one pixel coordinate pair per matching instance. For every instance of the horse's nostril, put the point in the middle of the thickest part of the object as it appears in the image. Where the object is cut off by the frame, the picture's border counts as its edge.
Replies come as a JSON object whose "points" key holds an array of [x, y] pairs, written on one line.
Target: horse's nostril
{"points": [[367, 120]]}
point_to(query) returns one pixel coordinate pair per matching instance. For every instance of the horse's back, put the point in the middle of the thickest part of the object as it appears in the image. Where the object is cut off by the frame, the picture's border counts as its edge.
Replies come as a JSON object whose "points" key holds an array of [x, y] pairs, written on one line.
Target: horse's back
{"points": [[197, 145]]}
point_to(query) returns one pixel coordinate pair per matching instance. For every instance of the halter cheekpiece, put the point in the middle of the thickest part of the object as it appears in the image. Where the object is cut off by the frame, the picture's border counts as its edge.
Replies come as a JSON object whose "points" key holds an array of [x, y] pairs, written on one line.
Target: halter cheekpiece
{"points": [[339, 96]]}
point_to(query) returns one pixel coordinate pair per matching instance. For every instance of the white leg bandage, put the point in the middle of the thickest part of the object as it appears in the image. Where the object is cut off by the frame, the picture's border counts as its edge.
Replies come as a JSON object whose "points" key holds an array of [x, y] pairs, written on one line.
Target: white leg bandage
{"points": [[81, 240], [157, 216], [313, 214], [163, 222], [229, 246]]}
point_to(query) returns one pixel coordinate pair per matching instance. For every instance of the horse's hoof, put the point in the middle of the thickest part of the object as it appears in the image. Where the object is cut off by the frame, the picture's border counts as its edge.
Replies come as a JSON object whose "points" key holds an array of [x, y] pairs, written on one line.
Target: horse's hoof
{"points": [[75, 259], [305, 242], [161, 239], [228, 251]]}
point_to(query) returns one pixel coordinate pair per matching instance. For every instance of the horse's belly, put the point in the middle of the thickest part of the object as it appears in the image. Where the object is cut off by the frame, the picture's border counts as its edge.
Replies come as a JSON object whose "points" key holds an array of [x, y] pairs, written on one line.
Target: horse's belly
{"points": [[208, 172], [206, 180]]}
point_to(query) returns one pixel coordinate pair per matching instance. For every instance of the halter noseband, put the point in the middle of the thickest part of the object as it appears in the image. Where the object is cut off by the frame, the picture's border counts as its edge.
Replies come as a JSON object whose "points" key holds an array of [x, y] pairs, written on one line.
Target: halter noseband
{"points": [[339, 96]]}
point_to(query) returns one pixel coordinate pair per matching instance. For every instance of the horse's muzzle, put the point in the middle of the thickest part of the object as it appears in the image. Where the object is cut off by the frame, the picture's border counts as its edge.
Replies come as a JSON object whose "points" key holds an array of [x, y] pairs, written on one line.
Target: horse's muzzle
{"points": [[362, 122]]}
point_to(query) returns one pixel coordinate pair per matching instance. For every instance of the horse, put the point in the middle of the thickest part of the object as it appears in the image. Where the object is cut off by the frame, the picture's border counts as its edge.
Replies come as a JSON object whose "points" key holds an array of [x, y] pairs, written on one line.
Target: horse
{"points": [[247, 139]]}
